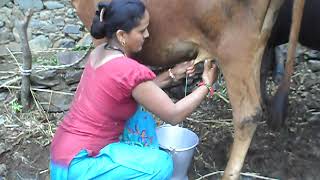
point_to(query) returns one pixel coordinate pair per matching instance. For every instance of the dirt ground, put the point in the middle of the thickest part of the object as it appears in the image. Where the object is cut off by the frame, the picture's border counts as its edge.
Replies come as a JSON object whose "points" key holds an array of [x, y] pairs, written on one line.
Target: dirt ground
{"points": [[293, 153]]}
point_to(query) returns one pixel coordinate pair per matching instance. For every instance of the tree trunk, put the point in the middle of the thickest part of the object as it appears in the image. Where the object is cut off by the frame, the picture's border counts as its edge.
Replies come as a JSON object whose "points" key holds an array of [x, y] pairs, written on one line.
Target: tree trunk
{"points": [[22, 26]]}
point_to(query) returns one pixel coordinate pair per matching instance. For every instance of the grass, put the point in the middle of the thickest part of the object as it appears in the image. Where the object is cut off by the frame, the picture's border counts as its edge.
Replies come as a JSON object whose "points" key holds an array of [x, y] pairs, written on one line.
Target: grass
{"points": [[82, 48], [16, 106], [46, 60]]}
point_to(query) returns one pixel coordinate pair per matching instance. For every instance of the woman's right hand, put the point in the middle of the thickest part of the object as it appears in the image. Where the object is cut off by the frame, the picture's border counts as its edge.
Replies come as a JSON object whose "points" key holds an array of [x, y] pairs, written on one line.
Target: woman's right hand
{"points": [[209, 75]]}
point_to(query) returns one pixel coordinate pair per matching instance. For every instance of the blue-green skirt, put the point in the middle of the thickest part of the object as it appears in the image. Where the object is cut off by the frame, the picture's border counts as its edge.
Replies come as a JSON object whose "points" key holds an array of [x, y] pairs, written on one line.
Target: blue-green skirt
{"points": [[136, 156]]}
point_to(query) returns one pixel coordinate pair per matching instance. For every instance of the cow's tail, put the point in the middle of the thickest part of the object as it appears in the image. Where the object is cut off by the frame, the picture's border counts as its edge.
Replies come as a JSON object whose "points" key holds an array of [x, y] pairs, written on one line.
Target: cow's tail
{"points": [[278, 107]]}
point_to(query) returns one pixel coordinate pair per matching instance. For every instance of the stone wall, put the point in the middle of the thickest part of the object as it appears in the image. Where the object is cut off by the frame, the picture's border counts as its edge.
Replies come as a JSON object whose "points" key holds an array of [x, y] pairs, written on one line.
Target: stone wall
{"points": [[54, 24]]}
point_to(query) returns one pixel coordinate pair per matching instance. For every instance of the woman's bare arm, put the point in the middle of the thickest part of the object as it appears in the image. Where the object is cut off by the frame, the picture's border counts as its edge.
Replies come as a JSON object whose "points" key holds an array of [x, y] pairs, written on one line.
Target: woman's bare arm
{"points": [[157, 101]]}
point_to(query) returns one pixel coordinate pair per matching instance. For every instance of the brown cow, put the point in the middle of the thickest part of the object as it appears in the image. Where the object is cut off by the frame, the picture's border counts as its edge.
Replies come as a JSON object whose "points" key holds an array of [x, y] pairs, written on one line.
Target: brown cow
{"points": [[234, 32]]}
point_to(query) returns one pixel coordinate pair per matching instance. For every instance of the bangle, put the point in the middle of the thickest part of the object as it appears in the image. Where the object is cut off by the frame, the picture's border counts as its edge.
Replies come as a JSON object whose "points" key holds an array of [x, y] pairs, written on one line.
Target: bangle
{"points": [[171, 75], [210, 88]]}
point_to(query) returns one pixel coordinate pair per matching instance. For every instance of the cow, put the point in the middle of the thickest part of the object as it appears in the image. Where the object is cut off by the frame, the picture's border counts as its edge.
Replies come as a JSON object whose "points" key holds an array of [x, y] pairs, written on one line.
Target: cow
{"points": [[234, 32]]}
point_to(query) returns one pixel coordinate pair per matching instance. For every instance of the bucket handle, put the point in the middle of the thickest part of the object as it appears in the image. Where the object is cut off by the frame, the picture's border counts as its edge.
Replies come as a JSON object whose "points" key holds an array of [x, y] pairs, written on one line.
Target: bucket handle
{"points": [[170, 150]]}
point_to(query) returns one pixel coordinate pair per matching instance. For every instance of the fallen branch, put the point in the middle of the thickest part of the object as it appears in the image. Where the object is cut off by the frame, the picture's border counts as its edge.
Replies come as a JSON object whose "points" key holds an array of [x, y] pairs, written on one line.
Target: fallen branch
{"points": [[11, 81], [254, 175], [222, 97], [221, 121], [41, 110], [41, 90]]}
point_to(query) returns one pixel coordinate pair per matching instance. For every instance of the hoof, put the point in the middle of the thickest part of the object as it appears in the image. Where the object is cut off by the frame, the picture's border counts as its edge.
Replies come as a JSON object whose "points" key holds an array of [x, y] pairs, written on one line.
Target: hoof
{"points": [[277, 111]]}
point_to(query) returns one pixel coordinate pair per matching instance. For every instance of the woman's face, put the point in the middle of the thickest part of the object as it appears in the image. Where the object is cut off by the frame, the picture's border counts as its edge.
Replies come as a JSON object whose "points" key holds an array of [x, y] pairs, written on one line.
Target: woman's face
{"points": [[135, 38]]}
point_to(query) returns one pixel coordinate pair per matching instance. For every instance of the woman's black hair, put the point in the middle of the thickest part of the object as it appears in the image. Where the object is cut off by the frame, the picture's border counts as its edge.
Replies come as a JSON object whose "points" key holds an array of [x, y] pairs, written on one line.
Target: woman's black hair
{"points": [[118, 15]]}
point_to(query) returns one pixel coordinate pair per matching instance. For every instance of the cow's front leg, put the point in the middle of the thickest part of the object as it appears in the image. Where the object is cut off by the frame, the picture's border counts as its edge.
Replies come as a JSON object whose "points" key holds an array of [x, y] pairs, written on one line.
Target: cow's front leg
{"points": [[244, 131], [242, 77]]}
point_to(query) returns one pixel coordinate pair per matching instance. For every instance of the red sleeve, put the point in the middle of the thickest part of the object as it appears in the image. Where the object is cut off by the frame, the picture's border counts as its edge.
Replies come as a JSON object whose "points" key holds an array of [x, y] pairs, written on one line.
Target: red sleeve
{"points": [[130, 75]]}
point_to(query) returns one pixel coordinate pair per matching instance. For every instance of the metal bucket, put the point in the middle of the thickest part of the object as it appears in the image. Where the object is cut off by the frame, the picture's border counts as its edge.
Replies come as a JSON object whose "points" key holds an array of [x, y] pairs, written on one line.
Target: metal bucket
{"points": [[180, 142]]}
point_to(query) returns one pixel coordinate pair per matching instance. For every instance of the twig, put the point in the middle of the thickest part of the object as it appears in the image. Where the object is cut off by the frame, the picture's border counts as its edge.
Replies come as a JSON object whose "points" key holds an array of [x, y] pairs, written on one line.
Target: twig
{"points": [[41, 110], [243, 174], [210, 174], [41, 90], [40, 51], [44, 171], [5, 84], [222, 121], [222, 97], [15, 59], [49, 103], [8, 72], [7, 77]]}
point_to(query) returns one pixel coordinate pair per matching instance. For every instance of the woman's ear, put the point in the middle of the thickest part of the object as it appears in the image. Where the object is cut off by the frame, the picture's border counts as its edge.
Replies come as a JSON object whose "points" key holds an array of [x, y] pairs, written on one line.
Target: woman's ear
{"points": [[121, 36]]}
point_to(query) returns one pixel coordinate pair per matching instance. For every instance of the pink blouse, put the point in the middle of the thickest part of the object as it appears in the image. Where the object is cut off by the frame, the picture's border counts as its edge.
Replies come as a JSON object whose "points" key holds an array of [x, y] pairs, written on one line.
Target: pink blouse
{"points": [[100, 108]]}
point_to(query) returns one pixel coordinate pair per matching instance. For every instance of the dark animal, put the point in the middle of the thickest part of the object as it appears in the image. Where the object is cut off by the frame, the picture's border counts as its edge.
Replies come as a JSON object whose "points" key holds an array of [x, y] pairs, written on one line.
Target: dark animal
{"points": [[309, 36]]}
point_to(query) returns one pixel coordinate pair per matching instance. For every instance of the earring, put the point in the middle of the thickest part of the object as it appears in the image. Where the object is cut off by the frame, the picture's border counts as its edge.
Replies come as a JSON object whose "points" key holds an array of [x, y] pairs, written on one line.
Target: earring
{"points": [[123, 43]]}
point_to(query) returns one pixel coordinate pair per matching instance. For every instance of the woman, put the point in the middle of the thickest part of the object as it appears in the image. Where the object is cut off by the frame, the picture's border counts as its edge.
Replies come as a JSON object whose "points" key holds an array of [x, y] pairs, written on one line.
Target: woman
{"points": [[106, 135]]}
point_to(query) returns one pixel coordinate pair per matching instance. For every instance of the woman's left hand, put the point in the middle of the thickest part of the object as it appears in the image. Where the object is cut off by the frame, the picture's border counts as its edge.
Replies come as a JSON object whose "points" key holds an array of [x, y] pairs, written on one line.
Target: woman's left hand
{"points": [[182, 69]]}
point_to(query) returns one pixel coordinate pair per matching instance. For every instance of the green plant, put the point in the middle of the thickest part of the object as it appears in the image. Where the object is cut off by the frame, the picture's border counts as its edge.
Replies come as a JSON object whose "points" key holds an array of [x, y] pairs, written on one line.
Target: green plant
{"points": [[46, 61], [81, 48], [16, 106], [221, 90]]}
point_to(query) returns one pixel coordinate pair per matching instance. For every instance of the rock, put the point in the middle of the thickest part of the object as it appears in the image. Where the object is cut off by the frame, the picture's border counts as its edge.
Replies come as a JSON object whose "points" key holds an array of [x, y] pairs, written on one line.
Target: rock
{"points": [[3, 170], [71, 29], [71, 13], [16, 34], [45, 15], [64, 43], [58, 21], [3, 148], [3, 96], [10, 5], [6, 36], [69, 57], [40, 43], [36, 23], [53, 5], [62, 86], [5, 15], [73, 87], [311, 54], [314, 65], [30, 4], [59, 102], [13, 46], [85, 41], [312, 102], [315, 119], [49, 28], [2, 24], [75, 37], [2, 119], [309, 83], [49, 74], [44, 83], [3, 3], [45, 78], [72, 77]]}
